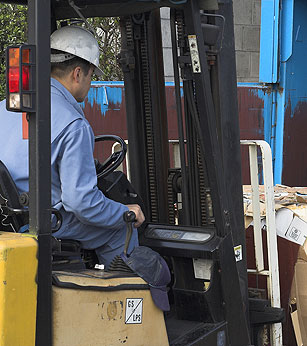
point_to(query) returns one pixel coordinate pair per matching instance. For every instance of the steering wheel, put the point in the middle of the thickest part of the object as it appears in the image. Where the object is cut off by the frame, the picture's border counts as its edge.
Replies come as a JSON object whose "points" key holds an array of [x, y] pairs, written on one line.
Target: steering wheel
{"points": [[114, 160]]}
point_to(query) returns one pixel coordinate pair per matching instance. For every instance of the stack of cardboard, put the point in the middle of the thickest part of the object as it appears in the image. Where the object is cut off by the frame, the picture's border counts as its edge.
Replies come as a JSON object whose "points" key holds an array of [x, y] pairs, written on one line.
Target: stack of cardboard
{"points": [[290, 207], [291, 224]]}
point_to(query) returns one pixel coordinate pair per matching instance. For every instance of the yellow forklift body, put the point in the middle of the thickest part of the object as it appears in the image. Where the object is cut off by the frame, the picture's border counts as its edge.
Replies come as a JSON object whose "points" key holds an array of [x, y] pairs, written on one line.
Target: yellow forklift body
{"points": [[18, 289], [95, 308]]}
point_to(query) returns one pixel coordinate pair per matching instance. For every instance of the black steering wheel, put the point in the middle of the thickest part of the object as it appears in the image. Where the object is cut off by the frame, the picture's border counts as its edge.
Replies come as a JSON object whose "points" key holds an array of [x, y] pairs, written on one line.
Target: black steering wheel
{"points": [[114, 160]]}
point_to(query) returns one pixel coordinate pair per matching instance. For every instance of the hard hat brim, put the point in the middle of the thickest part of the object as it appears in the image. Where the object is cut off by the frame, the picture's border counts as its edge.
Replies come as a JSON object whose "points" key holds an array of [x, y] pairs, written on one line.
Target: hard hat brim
{"points": [[98, 72]]}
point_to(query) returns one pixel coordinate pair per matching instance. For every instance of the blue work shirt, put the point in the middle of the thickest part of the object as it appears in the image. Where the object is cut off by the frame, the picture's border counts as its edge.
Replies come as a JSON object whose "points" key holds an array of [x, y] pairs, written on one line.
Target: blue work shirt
{"points": [[88, 216]]}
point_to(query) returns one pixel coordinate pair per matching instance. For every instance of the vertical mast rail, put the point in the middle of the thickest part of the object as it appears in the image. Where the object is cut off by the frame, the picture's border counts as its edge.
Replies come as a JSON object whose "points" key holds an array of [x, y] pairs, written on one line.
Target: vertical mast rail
{"points": [[39, 165]]}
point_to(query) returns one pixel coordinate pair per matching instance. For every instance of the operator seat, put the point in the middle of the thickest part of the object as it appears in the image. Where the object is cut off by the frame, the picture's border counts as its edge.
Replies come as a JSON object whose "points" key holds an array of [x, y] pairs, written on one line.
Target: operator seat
{"points": [[14, 217]]}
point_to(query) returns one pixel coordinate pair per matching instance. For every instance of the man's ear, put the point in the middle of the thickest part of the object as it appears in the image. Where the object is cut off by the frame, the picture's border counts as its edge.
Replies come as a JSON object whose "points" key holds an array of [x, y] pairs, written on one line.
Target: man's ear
{"points": [[77, 74]]}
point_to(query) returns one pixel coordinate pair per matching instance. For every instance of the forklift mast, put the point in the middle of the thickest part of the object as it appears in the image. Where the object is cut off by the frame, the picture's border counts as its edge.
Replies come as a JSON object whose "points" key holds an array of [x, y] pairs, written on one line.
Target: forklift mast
{"points": [[209, 181], [194, 212]]}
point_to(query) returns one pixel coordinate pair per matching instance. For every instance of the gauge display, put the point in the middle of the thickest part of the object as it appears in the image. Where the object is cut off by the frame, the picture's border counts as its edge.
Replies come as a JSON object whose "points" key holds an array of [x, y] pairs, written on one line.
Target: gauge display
{"points": [[178, 235]]}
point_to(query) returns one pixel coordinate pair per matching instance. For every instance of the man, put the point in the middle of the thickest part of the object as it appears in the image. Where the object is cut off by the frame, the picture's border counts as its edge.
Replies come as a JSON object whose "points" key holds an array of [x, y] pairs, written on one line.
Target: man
{"points": [[88, 216]]}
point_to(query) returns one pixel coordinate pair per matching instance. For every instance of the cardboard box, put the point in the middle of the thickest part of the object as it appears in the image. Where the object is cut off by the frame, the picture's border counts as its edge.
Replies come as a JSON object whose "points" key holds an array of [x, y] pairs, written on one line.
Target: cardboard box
{"points": [[290, 211], [298, 301], [290, 226]]}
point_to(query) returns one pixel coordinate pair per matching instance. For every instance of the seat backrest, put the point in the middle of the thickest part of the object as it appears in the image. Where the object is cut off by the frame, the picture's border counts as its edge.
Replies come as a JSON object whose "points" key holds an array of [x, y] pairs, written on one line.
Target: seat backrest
{"points": [[9, 197]]}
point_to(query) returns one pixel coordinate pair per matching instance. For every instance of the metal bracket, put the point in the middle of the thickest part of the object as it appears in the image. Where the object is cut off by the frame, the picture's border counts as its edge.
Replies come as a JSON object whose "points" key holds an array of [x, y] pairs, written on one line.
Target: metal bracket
{"points": [[194, 53]]}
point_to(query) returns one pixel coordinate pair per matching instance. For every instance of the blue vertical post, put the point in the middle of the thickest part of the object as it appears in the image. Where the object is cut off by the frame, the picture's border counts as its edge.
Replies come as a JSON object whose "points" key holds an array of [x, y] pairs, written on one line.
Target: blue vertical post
{"points": [[269, 74]]}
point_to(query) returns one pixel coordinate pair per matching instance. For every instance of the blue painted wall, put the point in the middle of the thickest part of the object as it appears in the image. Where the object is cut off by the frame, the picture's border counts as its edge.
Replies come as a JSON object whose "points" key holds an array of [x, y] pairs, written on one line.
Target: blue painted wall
{"points": [[286, 30]]}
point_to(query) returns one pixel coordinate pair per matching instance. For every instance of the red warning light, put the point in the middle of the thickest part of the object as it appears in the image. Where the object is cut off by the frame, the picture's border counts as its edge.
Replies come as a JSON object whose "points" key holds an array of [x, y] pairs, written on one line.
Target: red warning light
{"points": [[14, 79], [25, 77], [20, 81]]}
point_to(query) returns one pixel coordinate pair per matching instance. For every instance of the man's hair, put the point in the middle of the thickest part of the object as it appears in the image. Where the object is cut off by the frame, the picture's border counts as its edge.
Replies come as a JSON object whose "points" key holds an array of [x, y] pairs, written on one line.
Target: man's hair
{"points": [[58, 69]]}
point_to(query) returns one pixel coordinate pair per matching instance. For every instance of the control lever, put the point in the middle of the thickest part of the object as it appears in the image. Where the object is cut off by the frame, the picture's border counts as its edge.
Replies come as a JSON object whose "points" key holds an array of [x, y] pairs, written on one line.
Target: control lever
{"points": [[129, 218]]}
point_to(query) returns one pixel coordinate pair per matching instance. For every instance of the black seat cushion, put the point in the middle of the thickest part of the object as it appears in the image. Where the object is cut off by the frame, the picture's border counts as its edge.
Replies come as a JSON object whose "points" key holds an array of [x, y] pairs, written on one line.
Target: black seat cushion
{"points": [[9, 197]]}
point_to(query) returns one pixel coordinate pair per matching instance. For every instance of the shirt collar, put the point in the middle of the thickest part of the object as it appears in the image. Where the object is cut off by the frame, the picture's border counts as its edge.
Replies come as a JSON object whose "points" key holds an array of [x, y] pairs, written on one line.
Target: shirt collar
{"points": [[59, 88]]}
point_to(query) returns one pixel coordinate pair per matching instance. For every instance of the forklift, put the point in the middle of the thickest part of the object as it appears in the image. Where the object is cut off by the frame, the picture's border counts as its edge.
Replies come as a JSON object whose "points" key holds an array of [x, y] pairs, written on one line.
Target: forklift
{"points": [[194, 214]]}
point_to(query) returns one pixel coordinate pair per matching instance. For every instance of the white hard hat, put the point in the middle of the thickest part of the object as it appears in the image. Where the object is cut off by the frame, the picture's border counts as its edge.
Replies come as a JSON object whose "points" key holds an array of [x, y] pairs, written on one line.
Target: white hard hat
{"points": [[76, 41]]}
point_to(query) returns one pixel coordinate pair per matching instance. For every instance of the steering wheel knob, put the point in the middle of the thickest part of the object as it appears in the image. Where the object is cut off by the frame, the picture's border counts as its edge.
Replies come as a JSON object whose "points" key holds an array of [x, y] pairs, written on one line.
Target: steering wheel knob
{"points": [[129, 216]]}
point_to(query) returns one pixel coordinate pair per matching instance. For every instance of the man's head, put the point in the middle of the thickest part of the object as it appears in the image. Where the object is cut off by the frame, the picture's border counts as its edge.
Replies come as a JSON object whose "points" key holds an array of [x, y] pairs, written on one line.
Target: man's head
{"points": [[74, 58], [75, 74]]}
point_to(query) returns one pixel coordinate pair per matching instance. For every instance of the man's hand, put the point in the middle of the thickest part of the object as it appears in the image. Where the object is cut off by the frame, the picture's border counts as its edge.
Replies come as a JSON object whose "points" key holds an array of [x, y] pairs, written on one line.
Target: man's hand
{"points": [[140, 218]]}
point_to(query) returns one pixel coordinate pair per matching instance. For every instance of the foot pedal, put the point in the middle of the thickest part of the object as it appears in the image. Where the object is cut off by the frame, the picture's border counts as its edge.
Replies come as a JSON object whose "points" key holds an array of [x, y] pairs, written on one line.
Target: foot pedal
{"points": [[118, 264]]}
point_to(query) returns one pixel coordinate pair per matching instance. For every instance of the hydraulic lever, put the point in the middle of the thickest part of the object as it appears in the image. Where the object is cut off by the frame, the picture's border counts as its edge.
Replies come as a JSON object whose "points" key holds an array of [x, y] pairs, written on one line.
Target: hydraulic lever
{"points": [[129, 218], [117, 263]]}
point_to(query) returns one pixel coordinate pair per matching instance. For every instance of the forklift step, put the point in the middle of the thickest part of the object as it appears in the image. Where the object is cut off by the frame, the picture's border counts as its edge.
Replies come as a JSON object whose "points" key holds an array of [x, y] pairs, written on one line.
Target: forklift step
{"points": [[261, 312], [196, 333]]}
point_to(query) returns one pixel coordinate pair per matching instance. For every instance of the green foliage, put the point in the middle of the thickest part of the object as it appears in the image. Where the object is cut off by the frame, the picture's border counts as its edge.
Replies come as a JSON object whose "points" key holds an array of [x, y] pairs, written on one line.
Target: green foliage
{"points": [[108, 34], [13, 30], [107, 31]]}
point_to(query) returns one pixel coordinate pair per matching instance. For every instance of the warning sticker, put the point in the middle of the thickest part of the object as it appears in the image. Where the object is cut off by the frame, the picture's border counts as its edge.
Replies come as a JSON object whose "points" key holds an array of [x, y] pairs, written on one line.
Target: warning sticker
{"points": [[238, 253], [202, 268], [134, 310], [294, 233]]}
